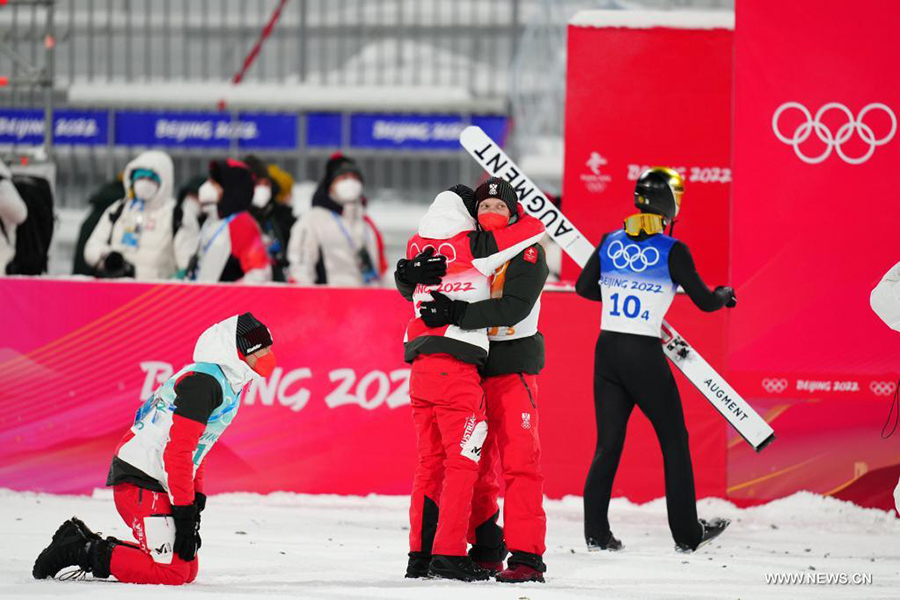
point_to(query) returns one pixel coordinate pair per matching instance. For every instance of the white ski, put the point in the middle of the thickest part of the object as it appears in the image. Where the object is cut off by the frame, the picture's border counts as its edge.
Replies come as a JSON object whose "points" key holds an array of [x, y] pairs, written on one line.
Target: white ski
{"points": [[722, 396]]}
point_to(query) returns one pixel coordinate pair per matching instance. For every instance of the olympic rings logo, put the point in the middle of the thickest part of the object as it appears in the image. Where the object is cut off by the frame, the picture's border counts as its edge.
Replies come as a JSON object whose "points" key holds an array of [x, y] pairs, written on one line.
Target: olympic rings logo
{"points": [[445, 249], [882, 388], [632, 256], [774, 386], [834, 141]]}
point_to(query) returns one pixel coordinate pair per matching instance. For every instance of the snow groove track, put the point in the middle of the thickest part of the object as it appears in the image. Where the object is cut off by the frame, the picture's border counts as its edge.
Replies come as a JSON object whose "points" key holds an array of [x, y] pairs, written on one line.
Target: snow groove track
{"points": [[300, 546]]}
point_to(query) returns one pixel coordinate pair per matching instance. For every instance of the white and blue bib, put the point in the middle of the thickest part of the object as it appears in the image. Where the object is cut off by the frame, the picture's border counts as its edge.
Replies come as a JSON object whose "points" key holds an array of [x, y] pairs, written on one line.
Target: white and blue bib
{"points": [[635, 282]]}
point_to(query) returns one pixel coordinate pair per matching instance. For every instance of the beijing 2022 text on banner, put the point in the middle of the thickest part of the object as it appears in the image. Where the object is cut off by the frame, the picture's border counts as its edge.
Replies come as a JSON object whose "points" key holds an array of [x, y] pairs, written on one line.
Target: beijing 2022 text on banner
{"points": [[815, 142]]}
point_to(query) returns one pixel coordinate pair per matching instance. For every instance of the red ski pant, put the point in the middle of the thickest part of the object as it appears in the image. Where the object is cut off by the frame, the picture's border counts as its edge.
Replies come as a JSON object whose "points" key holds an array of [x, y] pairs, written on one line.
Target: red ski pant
{"points": [[448, 414], [513, 445], [145, 512]]}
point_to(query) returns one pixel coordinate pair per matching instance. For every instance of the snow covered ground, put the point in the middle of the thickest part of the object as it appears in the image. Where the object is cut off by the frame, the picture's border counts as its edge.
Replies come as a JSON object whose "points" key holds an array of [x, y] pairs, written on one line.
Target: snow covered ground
{"points": [[298, 546]]}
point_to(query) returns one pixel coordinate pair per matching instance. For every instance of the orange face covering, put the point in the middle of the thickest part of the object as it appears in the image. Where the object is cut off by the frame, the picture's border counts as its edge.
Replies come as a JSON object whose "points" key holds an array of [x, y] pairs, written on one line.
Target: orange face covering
{"points": [[265, 364], [492, 221]]}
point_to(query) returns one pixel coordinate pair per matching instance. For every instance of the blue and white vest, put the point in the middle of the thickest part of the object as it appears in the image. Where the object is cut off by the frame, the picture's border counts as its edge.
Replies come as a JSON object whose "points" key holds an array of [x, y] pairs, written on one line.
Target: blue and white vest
{"points": [[153, 421], [635, 282]]}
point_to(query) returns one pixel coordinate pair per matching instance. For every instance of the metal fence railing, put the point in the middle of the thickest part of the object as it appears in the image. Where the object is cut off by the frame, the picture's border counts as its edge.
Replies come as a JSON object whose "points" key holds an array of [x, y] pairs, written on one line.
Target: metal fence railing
{"points": [[330, 42]]}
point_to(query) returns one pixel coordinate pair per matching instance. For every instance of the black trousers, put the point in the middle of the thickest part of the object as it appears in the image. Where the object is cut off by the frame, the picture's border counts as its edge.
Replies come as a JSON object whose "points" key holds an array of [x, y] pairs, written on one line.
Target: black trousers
{"points": [[628, 370]]}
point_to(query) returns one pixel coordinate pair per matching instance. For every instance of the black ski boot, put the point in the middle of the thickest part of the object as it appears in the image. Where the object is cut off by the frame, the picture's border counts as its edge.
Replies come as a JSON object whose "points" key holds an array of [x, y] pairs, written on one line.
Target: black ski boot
{"points": [[69, 547], [461, 568], [417, 567], [75, 545], [711, 530], [489, 550], [604, 542]]}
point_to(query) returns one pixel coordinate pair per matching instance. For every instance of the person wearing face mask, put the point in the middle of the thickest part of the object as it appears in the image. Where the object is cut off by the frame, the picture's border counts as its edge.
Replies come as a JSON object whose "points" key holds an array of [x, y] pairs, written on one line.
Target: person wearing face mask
{"points": [[157, 471], [451, 258], [275, 218], [335, 242], [231, 246], [144, 235], [515, 357]]}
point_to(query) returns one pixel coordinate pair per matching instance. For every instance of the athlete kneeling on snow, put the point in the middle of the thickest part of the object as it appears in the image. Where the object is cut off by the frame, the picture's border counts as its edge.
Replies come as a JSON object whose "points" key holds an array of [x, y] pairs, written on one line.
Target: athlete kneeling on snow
{"points": [[635, 272], [515, 358], [445, 391], [157, 470]]}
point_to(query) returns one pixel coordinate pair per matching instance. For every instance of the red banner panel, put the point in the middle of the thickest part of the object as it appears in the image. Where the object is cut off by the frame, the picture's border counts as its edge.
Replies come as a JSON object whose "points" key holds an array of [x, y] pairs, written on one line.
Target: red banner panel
{"points": [[816, 144], [646, 89], [77, 358]]}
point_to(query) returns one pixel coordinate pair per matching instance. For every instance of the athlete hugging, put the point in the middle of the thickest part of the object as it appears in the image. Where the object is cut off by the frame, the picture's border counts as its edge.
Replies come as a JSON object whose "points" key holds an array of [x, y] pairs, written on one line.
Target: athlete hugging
{"points": [[157, 469], [475, 273]]}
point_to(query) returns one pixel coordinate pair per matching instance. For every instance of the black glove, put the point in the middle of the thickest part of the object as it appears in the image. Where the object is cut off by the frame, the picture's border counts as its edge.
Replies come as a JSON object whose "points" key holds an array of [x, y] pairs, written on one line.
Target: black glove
{"points": [[442, 311], [726, 294], [187, 531], [467, 194], [424, 268], [114, 265], [200, 501]]}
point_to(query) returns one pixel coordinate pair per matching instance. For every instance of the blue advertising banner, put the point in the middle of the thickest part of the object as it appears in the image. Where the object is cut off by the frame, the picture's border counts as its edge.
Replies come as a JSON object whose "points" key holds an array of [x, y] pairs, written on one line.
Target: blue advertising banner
{"points": [[250, 130], [81, 128], [418, 132], [18, 126], [70, 127], [323, 130], [206, 130]]}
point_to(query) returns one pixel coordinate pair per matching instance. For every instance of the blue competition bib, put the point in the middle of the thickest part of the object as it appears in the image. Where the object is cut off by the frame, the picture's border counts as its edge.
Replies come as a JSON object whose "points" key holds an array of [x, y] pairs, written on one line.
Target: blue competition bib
{"points": [[635, 282]]}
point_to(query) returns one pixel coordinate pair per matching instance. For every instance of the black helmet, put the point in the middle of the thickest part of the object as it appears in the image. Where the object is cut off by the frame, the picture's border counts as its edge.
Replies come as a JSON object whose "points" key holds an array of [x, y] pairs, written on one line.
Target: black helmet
{"points": [[659, 191]]}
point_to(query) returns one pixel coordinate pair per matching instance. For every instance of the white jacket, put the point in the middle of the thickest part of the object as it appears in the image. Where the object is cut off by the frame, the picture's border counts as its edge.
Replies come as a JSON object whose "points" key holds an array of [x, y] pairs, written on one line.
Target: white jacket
{"points": [[158, 254], [885, 298], [13, 212], [336, 240]]}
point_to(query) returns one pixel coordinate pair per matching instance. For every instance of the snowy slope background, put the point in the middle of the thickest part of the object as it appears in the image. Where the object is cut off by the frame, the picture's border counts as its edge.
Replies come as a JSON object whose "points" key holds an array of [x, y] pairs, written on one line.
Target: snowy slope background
{"points": [[302, 546]]}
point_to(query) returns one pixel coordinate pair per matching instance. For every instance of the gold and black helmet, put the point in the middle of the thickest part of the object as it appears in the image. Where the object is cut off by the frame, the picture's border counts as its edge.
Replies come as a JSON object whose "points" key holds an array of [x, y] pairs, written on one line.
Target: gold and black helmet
{"points": [[659, 191]]}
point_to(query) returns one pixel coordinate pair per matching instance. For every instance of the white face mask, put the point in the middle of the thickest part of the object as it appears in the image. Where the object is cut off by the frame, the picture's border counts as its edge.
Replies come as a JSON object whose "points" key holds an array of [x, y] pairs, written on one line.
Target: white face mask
{"points": [[348, 190], [145, 189], [207, 193], [261, 195]]}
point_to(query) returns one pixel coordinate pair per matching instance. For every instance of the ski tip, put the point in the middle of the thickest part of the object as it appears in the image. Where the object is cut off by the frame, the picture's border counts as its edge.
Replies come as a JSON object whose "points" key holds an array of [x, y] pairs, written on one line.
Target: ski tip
{"points": [[765, 443], [472, 134]]}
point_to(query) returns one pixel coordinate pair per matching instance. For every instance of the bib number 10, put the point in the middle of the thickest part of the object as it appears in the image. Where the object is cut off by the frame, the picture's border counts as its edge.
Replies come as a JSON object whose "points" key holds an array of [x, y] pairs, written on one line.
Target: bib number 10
{"points": [[631, 308]]}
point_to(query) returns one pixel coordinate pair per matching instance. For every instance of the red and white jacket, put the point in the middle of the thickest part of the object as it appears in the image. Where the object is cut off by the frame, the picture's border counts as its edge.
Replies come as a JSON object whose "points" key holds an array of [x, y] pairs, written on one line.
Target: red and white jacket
{"points": [[472, 257], [232, 249]]}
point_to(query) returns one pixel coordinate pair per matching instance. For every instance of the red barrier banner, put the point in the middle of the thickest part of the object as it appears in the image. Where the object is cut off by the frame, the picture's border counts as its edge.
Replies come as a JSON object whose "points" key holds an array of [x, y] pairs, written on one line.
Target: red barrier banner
{"points": [[644, 89], [815, 135], [77, 357]]}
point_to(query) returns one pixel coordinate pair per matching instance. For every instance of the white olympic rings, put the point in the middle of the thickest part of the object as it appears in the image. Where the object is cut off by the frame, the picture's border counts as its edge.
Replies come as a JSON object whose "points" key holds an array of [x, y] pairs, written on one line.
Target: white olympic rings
{"points": [[834, 142], [882, 388], [446, 250], [632, 256], [775, 386]]}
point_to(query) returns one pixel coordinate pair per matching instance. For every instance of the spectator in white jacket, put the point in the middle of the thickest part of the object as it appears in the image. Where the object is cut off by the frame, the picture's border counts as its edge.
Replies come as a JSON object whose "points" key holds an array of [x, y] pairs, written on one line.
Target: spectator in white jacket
{"points": [[335, 242], [13, 212], [144, 235], [885, 301]]}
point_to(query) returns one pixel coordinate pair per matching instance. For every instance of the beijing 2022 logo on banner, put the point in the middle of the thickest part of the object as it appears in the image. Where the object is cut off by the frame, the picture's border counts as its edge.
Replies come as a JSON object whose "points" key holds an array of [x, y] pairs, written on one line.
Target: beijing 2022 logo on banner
{"points": [[834, 140]]}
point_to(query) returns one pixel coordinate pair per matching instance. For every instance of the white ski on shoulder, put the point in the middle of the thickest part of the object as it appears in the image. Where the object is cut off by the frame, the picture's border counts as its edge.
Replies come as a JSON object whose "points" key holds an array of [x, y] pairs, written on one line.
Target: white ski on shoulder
{"points": [[713, 386]]}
